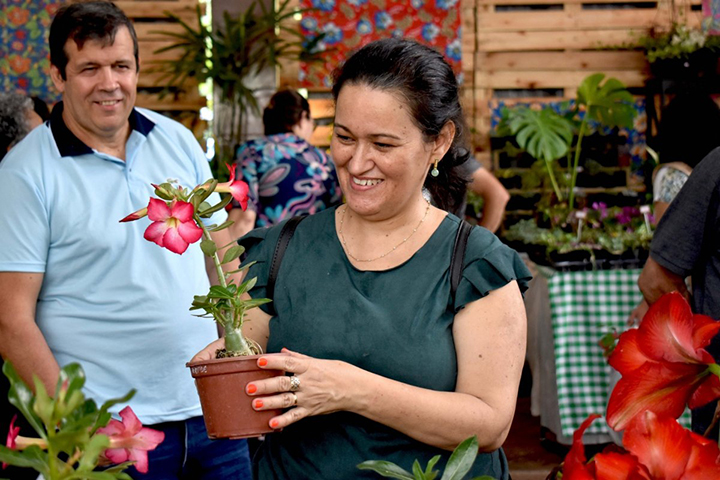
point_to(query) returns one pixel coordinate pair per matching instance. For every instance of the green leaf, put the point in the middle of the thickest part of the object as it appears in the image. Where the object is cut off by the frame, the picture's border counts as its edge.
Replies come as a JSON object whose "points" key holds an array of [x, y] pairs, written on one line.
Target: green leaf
{"points": [[222, 226], [218, 291], [431, 474], [418, 471], [22, 397], [208, 247], [103, 414], [205, 210], [543, 133], [256, 302], [43, 405], [386, 469], [97, 445], [461, 460], [233, 253], [610, 104], [32, 457]]}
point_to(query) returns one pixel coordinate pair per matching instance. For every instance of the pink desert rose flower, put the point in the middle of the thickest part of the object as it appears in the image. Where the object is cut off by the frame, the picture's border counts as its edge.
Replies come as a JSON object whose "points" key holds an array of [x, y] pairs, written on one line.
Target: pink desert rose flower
{"points": [[237, 188], [11, 436], [129, 440], [136, 215], [173, 225]]}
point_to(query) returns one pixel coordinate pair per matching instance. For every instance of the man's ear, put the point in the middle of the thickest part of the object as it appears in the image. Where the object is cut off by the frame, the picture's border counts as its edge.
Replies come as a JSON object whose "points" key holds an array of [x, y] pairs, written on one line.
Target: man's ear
{"points": [[57, 79], [444, 140]]}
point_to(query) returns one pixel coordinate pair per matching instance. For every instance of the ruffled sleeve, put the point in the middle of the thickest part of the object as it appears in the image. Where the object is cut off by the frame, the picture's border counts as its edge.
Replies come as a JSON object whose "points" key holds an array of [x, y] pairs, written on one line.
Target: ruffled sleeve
{"points": [[489, 264], [259, 246]]}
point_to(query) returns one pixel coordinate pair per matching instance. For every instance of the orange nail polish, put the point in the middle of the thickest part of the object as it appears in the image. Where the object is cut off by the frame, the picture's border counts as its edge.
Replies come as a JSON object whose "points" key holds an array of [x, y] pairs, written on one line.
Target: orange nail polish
{"points": [[251, 388], [274, 424], [262, 362], [258, 403]]}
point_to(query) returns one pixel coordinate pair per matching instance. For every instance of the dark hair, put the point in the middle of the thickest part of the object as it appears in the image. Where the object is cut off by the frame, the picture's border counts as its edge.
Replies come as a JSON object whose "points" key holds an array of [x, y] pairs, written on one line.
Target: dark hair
{"points": [[428, 85], [284, 111], [14, 126], [86, 21], [40, 107]]}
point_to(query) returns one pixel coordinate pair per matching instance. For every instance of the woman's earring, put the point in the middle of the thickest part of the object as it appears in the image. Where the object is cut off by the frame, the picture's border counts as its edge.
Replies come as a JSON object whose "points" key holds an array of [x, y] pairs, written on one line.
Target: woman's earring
{"points": [[435, 172]]}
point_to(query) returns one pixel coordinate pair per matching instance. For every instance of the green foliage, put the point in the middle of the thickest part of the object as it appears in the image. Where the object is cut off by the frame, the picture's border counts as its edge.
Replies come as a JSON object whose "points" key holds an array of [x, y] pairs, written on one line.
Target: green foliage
{"points": [[679, 41], [241, 47], [68, 447], [458, 465]]}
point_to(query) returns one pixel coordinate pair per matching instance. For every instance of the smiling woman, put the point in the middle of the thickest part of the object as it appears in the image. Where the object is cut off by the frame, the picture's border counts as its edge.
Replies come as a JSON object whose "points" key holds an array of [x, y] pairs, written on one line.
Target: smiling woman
{"points": [[394, 361]]}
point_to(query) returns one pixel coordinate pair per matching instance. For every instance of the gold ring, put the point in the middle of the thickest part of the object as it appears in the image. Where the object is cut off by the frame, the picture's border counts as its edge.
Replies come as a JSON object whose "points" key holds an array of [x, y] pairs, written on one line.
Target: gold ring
{"points": [[294, 383]]}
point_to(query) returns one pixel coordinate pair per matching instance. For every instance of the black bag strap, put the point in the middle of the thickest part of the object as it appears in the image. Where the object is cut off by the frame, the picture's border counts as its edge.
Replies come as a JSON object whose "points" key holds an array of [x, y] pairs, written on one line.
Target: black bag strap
{"points": [[286, 234], [458, 256]]}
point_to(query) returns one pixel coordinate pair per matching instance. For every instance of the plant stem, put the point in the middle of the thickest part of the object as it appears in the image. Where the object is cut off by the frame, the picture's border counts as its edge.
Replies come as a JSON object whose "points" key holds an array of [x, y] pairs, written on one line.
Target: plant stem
{"points": [[215, 258], [576, 160], [551, 174], [235, 342]]}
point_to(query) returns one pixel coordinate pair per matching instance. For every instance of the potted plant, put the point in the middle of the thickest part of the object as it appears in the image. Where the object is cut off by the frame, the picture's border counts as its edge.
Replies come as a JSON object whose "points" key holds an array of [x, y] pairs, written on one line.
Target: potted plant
{"points": [[74, 435], [231, 55], [176, 223]]}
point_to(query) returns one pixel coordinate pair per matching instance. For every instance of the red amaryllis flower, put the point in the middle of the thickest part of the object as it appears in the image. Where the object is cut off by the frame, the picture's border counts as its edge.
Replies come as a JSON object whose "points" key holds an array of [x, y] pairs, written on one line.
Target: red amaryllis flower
{"points": [[603, 466], [663, 363], [13, 432], [669, 451], [237, 188], [173, 225], [129, 440]]}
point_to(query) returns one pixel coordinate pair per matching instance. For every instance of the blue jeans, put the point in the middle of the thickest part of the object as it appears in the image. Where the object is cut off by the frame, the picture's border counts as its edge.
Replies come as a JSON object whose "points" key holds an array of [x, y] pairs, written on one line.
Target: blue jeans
{"points": [[188, 453]]}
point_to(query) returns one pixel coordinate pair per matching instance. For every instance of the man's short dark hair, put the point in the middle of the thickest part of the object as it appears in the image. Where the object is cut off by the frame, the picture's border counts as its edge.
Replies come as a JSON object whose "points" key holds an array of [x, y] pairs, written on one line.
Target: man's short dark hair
{"points": [[85, 21]]}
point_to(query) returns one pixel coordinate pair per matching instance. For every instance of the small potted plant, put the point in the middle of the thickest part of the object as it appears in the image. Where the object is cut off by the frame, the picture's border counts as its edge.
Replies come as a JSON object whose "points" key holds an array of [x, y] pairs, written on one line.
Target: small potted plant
{"points": [[176, 223], [74, 435]]}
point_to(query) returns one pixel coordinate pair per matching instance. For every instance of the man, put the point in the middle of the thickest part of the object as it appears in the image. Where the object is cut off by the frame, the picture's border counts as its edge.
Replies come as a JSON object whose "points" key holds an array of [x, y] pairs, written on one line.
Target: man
{"points": [[17, 118], [687, 243], [78, 286]]}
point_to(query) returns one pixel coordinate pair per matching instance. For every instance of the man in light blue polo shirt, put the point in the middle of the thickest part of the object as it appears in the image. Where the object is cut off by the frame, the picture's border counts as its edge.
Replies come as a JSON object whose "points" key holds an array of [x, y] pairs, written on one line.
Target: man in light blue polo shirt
{"points": [[78, 286]]}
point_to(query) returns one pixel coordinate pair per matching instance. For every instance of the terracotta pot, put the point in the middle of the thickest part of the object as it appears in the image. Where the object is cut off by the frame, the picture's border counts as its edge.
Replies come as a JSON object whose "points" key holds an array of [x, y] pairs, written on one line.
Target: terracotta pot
{"points": [[226, 407]]}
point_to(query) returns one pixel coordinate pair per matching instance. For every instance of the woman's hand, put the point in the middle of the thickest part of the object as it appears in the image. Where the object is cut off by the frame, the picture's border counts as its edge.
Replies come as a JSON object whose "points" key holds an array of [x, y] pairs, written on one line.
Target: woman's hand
{"points": [[318, 389], [208, 353]]}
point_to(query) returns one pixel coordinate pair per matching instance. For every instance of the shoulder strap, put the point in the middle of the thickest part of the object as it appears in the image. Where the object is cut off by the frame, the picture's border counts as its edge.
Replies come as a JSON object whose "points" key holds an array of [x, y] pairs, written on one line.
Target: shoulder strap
{"points": [[458, 256], [286, 234]]}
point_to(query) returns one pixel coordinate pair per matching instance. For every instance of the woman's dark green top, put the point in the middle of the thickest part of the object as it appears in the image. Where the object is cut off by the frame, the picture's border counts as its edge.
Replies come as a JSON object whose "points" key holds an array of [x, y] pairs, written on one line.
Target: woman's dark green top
{"points": [[396, 323]]}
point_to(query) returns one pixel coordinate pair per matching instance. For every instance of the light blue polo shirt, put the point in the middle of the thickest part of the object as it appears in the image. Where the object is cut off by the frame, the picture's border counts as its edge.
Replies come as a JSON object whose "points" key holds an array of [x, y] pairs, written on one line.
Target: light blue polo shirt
{"points": [[110, 299]]}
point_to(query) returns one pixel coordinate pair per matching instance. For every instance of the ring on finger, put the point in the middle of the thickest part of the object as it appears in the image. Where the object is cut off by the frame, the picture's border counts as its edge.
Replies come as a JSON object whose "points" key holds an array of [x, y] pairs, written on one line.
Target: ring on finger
{"points": [[294, 399], [294, 383]]}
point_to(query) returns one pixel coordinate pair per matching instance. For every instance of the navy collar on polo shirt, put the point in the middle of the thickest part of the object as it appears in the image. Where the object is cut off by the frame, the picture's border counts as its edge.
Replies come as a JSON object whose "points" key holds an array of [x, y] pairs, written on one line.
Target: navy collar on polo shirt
{"points": [[70, 145]]}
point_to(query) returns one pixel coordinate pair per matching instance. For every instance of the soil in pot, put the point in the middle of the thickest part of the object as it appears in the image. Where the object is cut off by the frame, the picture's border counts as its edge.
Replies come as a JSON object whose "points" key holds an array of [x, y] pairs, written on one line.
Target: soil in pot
{"points": [[227, 409]]}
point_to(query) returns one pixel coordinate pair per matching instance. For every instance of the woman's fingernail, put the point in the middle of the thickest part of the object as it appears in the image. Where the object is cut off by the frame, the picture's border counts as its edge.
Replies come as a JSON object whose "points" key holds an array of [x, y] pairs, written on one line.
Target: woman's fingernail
{"points": [[262, 362], [251, 388], [258, 403], [274, 423]]}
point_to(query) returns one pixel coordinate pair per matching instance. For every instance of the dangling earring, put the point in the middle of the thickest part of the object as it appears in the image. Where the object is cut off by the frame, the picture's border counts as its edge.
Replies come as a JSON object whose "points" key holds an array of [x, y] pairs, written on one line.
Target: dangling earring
{"points": [[435, 172]]}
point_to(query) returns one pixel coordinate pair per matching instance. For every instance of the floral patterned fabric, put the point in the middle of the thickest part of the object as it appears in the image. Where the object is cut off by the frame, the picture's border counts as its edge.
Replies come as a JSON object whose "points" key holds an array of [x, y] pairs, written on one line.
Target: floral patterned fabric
{"points": [[287, 177], [711, 14], [667, 184], [24, 53], [350, 24]]}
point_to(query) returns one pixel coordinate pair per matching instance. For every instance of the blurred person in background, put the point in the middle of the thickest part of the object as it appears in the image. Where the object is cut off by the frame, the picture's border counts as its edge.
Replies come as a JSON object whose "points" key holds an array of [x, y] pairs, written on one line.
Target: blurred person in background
{"points": [[17, 119]]}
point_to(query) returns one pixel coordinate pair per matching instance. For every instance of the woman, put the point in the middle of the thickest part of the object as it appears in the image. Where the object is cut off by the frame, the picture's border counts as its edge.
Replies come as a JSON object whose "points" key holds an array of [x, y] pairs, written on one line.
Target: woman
{"points": [[287, 176], [390, 367]]}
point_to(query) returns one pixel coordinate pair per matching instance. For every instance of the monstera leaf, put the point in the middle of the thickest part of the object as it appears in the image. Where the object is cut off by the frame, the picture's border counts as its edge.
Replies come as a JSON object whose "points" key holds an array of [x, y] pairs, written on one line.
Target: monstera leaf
{"points": [[609, 104], [542, 133]]}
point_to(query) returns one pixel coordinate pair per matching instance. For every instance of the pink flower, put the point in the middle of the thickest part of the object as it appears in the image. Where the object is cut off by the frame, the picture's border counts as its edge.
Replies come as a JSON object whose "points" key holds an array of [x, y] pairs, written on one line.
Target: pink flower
{"points": [[173, 225], [237, 188], [11, 436], [129, 440], [136, 215]]}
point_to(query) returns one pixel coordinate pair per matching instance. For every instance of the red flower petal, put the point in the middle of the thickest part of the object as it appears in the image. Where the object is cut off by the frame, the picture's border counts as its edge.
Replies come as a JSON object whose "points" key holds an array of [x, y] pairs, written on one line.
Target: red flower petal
{"points": [[117, 455], [574, 467], [660, 443], [183, 211], [627, 355], [617, 466], [158, 211], [114, 427], [140, 458], [156, 232], [663, 388], [130, 421], [174, 242], [707, 391], [190, 232], [666, 331], [705, 328]]}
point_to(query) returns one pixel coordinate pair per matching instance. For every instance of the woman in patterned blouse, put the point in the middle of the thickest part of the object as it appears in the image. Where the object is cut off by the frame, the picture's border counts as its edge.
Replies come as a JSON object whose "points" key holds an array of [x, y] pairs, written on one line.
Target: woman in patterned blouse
{"points": [[286, 174]]}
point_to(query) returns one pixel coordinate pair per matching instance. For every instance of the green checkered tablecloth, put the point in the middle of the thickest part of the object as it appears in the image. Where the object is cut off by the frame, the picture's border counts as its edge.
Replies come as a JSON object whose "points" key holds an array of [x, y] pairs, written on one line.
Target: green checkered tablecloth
{"points": [[585, 306]]}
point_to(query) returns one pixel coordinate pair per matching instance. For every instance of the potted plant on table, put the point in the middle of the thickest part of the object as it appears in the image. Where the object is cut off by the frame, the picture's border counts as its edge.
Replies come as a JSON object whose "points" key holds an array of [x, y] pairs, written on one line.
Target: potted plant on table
{"points": [[550, 136], [176, 223], [74, 435]]}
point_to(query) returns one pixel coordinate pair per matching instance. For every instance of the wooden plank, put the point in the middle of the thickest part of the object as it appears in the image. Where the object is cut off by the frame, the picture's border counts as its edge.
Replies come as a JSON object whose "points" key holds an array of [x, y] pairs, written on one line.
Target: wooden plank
{"points": [[578, 40], [322, 107], [170, 102], [549, 79], [150, 31], [184, 9], [569, 60], [490, 21]]}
